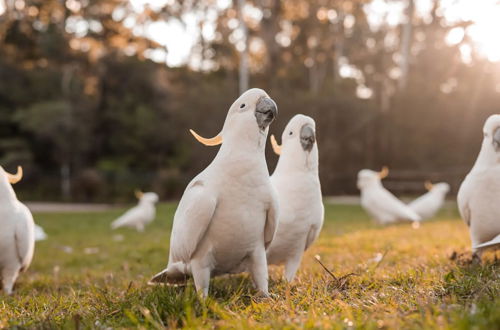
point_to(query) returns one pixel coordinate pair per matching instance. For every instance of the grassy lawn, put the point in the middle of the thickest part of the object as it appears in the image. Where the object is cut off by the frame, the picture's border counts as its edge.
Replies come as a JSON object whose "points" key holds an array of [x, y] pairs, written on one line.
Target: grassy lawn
{"points": [[86, 275]]}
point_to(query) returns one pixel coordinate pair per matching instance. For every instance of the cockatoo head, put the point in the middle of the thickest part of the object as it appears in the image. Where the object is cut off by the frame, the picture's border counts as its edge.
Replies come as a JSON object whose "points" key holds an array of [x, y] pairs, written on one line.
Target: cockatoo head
{"points": [[7, 180], [248, 119], [491, 132], [149, 197], [367, 178], [490, 148], [298, 142], [441, 187]]}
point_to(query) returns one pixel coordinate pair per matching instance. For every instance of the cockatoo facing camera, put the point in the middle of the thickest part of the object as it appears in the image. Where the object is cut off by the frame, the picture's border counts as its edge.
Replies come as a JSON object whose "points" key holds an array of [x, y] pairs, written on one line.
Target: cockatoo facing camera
{"points": [[297, 184], [479, 195]]}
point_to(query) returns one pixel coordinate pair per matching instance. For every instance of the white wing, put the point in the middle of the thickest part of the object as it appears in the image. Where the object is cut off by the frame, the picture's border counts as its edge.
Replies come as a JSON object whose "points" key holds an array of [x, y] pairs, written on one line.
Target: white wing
{"points": [[271, 220], [315, 230], [463, 200], [24, 236], [385, 203], [191, 221], [130, 218], [493, 242]]}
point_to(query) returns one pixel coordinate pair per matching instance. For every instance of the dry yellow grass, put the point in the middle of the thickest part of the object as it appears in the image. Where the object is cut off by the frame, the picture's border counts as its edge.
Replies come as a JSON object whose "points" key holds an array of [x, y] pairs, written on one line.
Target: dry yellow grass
{"points": [[403, 278]]}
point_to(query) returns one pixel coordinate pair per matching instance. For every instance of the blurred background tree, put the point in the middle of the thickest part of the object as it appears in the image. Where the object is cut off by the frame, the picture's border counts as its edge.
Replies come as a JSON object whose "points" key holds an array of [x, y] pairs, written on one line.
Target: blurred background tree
{"points": [[96, 97]]}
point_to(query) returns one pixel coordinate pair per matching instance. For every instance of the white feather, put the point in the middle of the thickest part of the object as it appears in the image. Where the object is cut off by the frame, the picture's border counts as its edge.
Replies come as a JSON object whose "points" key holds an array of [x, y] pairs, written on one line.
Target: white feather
{"points": [[40, 234], [17, 235], [377, 201], [297, 184], [139, 216], [479, 193], [427, 205], [228, 213]]}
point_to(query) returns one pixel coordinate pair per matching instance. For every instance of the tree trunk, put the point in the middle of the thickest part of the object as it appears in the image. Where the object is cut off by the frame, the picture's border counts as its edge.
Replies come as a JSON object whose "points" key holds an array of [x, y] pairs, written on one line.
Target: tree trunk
{"points": [[406, 41], [243, 70]]}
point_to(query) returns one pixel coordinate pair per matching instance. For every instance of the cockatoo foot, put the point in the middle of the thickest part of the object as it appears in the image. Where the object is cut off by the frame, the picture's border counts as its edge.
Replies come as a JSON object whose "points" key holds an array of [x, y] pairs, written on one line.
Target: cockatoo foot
{"points": [[261, 296], [476, 258]]}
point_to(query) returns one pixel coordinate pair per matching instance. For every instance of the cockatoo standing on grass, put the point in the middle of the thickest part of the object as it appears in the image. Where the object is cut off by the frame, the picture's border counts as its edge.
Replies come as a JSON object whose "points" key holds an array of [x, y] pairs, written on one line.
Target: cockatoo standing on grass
{"points": [[228, 214], [141, 215], [427, 205], [17, 233], [377, 201], [296, 181], [479, 195]]}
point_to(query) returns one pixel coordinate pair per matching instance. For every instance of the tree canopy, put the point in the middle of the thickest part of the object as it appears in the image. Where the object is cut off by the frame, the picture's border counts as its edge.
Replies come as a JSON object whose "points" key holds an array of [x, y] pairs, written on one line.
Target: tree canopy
{"points": [[93, 110]]}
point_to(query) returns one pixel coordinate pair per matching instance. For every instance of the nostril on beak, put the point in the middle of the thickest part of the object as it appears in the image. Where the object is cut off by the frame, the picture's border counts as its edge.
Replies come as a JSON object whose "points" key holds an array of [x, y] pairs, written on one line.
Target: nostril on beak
{"points": [[265, 112], [270, 114], [267, 106]]}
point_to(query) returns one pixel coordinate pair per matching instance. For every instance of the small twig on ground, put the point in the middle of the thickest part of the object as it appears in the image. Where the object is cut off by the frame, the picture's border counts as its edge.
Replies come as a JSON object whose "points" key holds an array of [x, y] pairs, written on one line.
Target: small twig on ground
{"points": [[326, 269], [339, 282], [129, 287]]}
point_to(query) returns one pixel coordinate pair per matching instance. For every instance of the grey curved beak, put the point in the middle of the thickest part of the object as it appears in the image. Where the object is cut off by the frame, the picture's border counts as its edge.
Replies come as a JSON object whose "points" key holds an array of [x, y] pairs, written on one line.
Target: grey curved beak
{"points": [[496, 139], [265, 112], [307, 137]]}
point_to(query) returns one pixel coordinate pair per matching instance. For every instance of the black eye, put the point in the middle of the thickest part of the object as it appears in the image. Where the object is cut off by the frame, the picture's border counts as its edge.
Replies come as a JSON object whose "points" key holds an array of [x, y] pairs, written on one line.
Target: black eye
{"points": [[242, 105], [290, 133]]}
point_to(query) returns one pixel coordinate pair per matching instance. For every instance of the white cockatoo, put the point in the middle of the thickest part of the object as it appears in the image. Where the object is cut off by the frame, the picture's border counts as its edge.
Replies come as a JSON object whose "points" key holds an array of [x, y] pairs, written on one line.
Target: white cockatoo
{"points": [[378, 202], [296, 181], [40, 234], [228, 214], [141, 214], [479, 195], [427, 205], [17, 232]]}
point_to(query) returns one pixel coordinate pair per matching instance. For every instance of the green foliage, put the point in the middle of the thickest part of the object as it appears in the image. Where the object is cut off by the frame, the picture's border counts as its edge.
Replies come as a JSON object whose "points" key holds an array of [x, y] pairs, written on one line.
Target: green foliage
{"points": [[78, 94], [101, 281], [50, 121]]}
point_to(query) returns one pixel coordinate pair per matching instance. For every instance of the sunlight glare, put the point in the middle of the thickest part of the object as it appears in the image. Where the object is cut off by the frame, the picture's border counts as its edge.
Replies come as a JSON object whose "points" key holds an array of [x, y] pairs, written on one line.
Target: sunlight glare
{"points": [[175, 36], [484, 16], [139, 5]]}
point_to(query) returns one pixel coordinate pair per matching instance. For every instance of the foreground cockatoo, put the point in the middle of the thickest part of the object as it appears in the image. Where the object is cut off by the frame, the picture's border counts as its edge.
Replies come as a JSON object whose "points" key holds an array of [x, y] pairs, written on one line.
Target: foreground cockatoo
{"points": [[297, 184], [377, 201], [141, 215], [296, 181], [427, 205], [479, 195], [40, 234], [227, 216], [17, 233]]}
